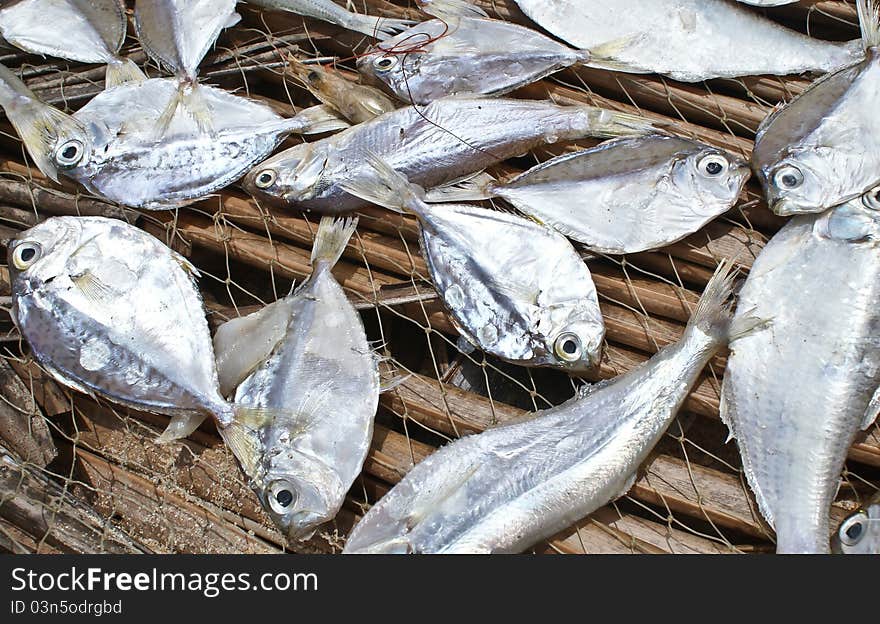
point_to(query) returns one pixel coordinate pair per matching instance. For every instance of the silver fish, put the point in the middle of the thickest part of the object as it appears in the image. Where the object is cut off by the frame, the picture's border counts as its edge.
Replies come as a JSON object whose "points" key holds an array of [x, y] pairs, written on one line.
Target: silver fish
{"points": [[356, 102], [821, 149], [329, 11], [111, 148], [624, 196], [463, 55], [507, 488], [306, 359], [88, 31], [795, 394], [107, 309], [859, 533], [687, 40], [450, 138], [526, 298]]}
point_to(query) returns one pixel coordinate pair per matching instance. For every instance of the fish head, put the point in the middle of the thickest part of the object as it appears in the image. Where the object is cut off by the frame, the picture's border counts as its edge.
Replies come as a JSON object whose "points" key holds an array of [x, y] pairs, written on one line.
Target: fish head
{"points": [[391, 70], [292, 176], [577, 345], [859, 533], [300, 492], [38, 255], [710, 179], [801, 183]]}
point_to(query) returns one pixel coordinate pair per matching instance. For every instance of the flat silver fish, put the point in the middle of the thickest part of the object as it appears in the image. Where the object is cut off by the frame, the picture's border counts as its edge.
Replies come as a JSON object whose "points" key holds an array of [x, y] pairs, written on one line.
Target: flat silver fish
{"points": [[859, 533], [461, 55], [822, 148], [306, 359], [111, 148], [329, 11], [624, 196], [526, 297], [687, 40], [109, 310], [507, 488], [449, 139], [795, 394], [88, 31]]}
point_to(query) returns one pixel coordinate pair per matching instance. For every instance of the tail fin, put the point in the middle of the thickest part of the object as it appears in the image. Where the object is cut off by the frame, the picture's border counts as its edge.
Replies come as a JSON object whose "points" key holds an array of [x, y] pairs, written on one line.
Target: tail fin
{"points": [[330, 241], [474, 188], [606, 124], [379, 27], [317, 120], [605, 56], [384, 186], [869, 22], [450, 8], [189, 98], [714, 314], [41, 127], [122, 70]]}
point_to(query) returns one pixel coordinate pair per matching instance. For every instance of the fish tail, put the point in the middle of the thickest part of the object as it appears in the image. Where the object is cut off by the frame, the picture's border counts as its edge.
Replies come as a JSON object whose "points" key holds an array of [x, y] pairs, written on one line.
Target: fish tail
{"points": [[607, 124], [715, 311], [317, 120], [869, 22], [187, 97], [474, 188], [606, 56], [121, 71], [384, 186], [330, 241], [181, 426], [39, 125], [381, 28]]}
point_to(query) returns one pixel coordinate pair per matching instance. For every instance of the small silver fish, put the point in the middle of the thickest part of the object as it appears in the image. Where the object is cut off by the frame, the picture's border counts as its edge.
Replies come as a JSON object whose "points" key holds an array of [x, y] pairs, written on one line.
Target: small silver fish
{"points": [[687, 40], [624, 196], [821, 149], [507, 488], [111, 148], [107, 309], [527, 297], [88, 31], [449, 139], [329, 11], [307, 361], [357, 103], [463, 55], [795, 394], [859, 533]]}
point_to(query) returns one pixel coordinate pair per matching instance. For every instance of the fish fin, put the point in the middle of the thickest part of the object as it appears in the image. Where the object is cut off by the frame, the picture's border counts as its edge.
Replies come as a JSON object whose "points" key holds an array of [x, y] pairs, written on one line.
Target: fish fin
{"points": [[605, 56], [381, 28], [93, 288], [872, 411], [869, 22], [318, 119], [714, 313], [180, 426], [121, 71], [472, 188], [190, 99], [244, 443], [606, 124], [331, 239], [386, 187], [40, 126], [391, 382], [451, 8], [746, 324]]}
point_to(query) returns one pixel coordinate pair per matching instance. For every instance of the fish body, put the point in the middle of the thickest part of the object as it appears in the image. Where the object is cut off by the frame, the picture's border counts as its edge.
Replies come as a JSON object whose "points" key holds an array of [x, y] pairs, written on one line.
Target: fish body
{"points": [[859, 533], [109, 310], [357, 103], [315, 373], [526, 298], [507, 488], [329, 11], [88, 31], [687, 40], [625, 196], [461, 55], [795, 394], [450, 138]]}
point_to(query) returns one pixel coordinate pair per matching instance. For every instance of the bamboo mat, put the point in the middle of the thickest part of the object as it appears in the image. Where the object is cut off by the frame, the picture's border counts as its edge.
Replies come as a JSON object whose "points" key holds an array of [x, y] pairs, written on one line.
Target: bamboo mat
{"points": [[106, 487]]}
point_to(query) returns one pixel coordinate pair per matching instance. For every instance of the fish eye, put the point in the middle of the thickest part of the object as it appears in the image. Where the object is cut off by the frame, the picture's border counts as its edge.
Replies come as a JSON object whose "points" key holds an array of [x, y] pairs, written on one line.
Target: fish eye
{"points": [[852, 530], [384, 63], [26, 254], [313, 76], [788, 177], [282, 496], [265, 178], [713, 165], [871, 199], [568, 347], [69, 153]]}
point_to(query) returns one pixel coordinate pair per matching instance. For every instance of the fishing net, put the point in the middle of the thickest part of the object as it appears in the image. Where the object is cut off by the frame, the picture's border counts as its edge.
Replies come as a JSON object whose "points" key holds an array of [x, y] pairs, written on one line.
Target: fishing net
{"points": [[83, 475]]}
